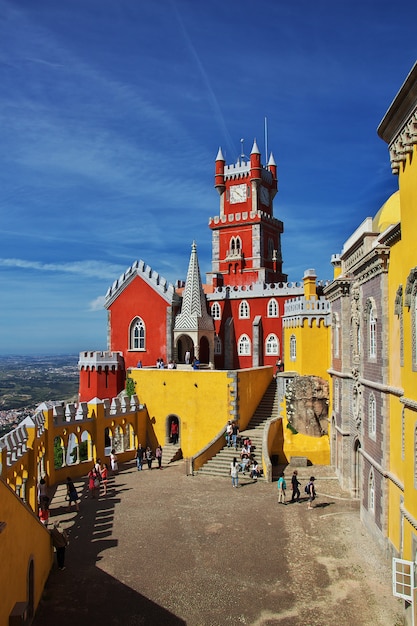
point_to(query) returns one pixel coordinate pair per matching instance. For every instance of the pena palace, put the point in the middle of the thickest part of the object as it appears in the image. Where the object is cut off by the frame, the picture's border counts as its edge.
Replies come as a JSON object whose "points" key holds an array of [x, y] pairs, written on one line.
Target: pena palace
{"points": [[232, 322]]}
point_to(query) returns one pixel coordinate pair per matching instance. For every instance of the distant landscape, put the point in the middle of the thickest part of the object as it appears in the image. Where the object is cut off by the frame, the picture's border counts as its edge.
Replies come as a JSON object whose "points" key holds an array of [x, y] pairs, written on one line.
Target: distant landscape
{"points": [[26, 382]]}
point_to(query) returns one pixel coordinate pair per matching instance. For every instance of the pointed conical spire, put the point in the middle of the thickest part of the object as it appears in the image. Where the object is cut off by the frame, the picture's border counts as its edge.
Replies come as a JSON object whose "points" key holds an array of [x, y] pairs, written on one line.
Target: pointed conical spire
{"points": [[220, 156], [194, 315], [255, 149], [271, 160]]}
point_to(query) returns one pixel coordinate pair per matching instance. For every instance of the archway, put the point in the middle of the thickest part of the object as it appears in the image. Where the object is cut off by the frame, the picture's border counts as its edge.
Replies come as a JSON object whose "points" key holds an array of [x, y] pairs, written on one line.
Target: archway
{"points": [[184, 345], [204, 350], [173, 429]]}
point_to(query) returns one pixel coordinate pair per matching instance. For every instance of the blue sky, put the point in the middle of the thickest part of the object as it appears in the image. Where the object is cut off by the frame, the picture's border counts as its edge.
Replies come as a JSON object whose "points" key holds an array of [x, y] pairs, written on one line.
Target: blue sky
{"points": [[111, 116]]}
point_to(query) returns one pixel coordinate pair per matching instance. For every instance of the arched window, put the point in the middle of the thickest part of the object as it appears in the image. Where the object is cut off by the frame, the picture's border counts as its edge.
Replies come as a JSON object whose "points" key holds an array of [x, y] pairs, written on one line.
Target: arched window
{"points": [[217, 345], [293, 348], [372, 334], [272, 310], [244, 346], [336, 335], [216, 312], [271, 248], [372, 416], [272, 345], [244, 311], [371, 492], [137, 334]]}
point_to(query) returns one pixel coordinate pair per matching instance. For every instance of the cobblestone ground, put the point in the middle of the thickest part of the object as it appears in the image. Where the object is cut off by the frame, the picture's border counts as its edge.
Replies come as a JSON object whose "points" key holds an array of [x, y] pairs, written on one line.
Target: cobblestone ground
{"points": [[166, 548]]}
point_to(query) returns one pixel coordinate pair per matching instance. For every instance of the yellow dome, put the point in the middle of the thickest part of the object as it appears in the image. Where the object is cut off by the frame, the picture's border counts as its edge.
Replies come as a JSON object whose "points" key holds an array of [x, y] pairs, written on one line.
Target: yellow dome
{"points": [[388, 214]]}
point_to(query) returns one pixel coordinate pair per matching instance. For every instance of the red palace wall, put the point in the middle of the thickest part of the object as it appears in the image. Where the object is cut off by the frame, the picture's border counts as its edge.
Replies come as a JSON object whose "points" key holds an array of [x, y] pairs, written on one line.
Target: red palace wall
{"points": [[138, 299]]}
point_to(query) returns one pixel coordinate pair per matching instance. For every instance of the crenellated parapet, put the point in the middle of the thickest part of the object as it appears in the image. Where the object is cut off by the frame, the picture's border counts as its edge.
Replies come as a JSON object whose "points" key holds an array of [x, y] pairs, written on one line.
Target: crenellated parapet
{"points": [[155, 280], [300, 309], [15, 443], [93, 360], [242, 217], [256, 290]]}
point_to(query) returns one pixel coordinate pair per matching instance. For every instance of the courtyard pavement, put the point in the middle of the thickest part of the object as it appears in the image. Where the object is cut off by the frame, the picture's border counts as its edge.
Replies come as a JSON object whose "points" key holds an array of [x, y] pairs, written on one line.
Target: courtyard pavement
{"points": [[163, 548]]}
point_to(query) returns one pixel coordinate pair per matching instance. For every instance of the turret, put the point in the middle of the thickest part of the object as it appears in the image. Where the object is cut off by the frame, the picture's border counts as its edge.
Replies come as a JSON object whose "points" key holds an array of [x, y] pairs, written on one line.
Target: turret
{"points": [[219, 175], [255, 163]]}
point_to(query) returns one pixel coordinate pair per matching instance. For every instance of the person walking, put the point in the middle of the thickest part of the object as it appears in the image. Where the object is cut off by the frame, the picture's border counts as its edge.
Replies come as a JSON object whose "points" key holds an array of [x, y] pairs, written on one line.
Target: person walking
{"points": [[235, 433], [149, 457], [234, 472], [158, 455], [174, 432], [294, 485], [72, 495], [104, 472], [282, 486], [139, 457], [229, 434], [60, 542], [311, 492], [113, 462]]}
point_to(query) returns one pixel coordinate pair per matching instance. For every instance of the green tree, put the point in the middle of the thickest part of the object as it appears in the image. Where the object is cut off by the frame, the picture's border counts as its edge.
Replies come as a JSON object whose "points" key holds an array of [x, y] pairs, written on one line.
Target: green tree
{"points": [[130, 387]]}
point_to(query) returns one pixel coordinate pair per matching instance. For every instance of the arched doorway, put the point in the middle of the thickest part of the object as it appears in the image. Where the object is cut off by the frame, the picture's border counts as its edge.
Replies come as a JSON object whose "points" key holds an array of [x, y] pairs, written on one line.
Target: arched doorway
{"points": [[173, 429], [204, 350], [184, 345]]}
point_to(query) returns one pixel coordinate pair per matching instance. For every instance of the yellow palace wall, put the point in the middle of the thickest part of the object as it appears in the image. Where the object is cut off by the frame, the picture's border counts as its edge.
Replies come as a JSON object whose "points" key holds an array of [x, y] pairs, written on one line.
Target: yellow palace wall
{"points": [[203, 400], [312, 359], [403, 259], [22, 539]]}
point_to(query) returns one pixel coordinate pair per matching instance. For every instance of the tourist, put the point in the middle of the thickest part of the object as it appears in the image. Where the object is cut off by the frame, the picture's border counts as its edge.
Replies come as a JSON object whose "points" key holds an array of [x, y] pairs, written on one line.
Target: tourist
{"points": [[72, 495], [295, 490], [254, 470], [229, 433], [149, 457], [158, 455], [44, 513], [113, 462], [139, 457], [244, 464], [235, 433], [311, 491], [104, 473], [282, 486], [43, 492], [234, 472], [60, 542], [174, 432], [93, 483]]}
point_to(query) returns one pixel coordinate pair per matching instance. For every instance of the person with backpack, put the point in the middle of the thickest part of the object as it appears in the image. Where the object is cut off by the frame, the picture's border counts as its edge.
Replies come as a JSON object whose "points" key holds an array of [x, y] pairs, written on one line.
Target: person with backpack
{"points": [[311, 492], [295, 490], [282, 486]]}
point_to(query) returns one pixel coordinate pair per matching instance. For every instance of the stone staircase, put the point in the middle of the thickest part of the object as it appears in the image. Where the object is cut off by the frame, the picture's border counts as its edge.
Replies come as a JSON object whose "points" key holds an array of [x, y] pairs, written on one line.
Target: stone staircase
{"points": [[171, 453], [268, 407]]}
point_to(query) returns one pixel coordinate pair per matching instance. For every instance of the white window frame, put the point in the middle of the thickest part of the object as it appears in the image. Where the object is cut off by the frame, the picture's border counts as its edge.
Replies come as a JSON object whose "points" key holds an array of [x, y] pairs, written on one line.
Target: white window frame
{"points": [[137, 342], [244, 310], [293, 348], [244, 346], [372, 334], [216, 311], [272, 345], [272, 308]]}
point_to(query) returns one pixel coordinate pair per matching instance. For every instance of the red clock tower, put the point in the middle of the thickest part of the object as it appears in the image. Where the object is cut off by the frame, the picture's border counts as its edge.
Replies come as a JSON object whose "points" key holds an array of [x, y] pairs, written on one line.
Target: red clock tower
{"points": [[246, 238]]}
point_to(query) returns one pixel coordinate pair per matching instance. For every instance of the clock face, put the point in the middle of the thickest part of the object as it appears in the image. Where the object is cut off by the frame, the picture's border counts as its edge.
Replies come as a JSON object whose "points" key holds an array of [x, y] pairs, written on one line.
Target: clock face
{"points": [[264, 195], [238, 193]]}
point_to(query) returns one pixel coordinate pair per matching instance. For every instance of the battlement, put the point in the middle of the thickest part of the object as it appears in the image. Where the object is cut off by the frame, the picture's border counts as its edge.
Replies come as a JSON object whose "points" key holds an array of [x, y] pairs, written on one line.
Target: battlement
{"points": [[243, 216], [96, 359], [299, 309], [15, 444], [139, 268], [241, 169], [256, 290]]}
